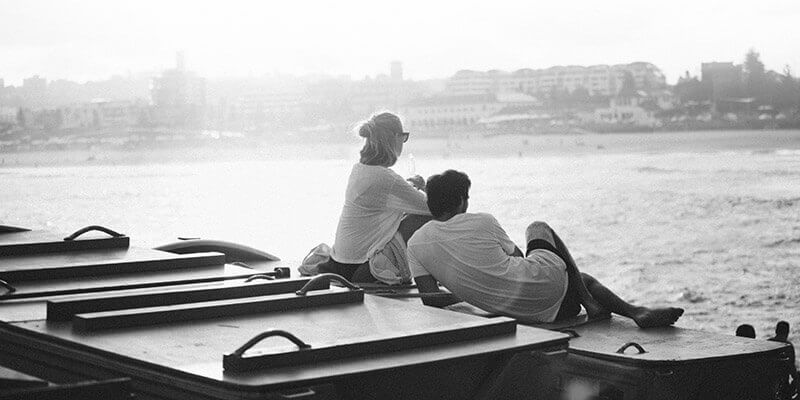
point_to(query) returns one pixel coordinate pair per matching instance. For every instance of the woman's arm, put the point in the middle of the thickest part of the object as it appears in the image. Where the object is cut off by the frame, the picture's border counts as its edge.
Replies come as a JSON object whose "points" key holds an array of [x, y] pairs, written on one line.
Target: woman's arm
{"points": [[404, 197]]}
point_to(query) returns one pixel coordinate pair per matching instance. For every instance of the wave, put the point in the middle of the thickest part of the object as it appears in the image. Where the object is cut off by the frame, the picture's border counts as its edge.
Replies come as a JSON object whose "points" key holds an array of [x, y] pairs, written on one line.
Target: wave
{"points": [[749, 200], [656, 170], [782, 172], [783, 242], [761, 152]]}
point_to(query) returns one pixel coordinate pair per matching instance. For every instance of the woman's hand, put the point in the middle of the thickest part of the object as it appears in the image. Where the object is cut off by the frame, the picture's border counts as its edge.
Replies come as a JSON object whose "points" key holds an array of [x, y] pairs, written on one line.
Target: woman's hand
{"points": [[418, 182]]}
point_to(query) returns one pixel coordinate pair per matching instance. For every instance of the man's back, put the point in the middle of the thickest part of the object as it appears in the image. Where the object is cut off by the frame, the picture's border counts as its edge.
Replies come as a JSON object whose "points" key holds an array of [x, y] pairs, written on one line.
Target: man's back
{"points": [[470, 255]]}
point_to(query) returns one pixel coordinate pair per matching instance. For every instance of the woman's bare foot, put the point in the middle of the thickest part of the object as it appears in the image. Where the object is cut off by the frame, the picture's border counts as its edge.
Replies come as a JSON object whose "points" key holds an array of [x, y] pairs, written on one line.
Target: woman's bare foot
{"points": [[655, 317]]}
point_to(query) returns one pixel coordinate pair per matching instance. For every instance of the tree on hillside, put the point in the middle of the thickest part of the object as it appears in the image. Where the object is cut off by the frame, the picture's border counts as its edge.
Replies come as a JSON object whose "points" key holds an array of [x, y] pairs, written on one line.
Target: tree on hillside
{"points": [[754, 75], [579, 97], [788, 92], [21, 118], [689, 88]]}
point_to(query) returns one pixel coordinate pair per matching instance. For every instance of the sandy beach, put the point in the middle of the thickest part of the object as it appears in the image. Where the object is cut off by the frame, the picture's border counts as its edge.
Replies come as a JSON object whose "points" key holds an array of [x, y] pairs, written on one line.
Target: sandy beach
{"points": [[457, 147]]}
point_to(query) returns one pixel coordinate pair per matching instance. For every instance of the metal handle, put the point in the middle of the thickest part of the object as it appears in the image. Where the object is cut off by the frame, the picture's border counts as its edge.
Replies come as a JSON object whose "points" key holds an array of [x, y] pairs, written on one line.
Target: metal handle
{"points": [[277, 273], [259, 276], [307, 392], [9, 289], [631, 344], [93, 228], [273, 332], [241, 264], [397, 295], [326, 278]]}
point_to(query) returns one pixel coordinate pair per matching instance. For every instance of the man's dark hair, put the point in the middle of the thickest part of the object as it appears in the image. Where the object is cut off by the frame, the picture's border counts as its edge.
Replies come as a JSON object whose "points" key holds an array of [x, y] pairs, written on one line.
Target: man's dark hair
{"points": [[446, 190]]}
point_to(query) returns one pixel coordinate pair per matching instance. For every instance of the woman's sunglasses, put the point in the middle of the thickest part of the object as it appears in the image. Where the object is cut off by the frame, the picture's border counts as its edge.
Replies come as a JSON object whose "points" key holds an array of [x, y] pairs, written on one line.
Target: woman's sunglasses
{"points": [[404, 135]]}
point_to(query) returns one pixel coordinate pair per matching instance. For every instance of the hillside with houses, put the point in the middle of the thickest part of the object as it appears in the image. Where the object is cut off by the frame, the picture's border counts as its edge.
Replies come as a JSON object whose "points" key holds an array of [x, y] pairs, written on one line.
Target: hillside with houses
{"points": [[177, 104]]}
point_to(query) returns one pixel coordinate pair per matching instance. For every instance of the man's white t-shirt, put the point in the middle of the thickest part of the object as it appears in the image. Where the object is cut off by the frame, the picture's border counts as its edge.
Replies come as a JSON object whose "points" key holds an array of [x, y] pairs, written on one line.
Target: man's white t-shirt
{"points": [[470, 254], [375, 202]]}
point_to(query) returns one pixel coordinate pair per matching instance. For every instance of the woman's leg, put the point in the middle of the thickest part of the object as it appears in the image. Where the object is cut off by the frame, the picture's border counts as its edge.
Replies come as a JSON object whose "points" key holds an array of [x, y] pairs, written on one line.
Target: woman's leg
{"points": [[362, 274], [331, 266]]}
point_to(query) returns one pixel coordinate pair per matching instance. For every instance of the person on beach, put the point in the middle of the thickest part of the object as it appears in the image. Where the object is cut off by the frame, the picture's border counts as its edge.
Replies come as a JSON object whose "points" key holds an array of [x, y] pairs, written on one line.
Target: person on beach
{"points": [[472, 256], [381, 209]]}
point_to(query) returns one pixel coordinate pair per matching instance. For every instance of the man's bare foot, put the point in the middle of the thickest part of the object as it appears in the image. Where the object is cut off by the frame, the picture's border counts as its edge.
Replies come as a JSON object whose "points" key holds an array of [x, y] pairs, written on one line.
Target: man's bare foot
{"points": [[655, 317], [594, 310]]}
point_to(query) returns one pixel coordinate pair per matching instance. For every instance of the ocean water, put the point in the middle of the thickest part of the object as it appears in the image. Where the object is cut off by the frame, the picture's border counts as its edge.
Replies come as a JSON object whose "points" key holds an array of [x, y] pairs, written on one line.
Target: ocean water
{"points": [[713, 230]]}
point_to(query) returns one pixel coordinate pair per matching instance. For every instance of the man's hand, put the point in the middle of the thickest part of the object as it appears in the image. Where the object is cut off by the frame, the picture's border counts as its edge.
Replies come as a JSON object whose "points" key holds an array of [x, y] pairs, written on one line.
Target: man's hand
{"points": [[418, 182], [427, 284]]}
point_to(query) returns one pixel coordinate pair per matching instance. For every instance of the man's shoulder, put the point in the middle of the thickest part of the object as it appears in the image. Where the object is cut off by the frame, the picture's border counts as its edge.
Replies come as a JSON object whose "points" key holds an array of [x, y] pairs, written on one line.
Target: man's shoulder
{"points": [[420, 235], [483, 218]]}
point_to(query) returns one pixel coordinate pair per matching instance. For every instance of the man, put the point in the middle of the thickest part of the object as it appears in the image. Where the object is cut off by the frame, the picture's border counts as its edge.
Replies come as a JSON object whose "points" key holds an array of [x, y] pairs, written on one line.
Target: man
{"points": [[473, 257]]}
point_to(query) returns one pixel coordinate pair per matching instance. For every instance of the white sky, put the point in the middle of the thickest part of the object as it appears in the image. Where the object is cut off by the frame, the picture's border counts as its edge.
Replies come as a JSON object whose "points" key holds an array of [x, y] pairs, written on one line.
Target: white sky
{"points": [[91, 39]]}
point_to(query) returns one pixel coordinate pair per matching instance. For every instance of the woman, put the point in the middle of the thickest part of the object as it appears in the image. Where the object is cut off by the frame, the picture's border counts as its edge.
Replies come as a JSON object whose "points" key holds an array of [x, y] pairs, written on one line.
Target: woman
{"points": [[381, 210]]}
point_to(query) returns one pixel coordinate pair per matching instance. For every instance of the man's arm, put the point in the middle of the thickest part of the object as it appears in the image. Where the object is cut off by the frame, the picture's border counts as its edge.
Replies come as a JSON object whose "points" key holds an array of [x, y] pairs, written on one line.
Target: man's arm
{"points": [[426, 284]]}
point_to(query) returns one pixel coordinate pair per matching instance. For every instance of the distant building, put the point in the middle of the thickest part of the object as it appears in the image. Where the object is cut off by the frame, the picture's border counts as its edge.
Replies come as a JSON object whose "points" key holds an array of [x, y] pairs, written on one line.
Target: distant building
{"points": [[275, 106], [8, 115], [603, 80], [519, 119], [451, 111], [364, 97], [370, 95], [665, 99], [179, 97], [92, 115], [118, 113], [633, 109], [78, 116], [34, 91]]}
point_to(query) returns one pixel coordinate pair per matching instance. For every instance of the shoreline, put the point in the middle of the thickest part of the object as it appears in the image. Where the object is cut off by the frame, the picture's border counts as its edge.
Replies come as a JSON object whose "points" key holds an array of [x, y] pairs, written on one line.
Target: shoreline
{"points": [[466, 146]]}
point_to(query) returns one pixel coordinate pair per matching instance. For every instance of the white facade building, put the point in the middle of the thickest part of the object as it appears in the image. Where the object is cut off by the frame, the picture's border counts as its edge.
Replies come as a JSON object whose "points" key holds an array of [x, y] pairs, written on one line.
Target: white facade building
{"points": [[602, 80], [625, 110], [103, 114], [445, 111]]}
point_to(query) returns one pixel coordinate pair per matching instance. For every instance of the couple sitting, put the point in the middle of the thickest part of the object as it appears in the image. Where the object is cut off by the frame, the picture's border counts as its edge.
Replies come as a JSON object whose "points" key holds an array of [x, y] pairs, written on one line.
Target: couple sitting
{"points": [[389, 229]]}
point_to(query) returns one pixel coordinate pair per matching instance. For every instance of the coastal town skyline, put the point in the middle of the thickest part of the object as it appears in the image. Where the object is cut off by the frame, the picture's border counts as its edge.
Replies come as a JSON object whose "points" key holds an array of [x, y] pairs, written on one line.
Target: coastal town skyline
{"points": [[93, 41]]}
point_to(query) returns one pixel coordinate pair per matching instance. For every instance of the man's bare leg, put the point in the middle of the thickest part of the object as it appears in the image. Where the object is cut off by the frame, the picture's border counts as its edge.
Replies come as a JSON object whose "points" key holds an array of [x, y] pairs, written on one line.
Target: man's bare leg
{"points": [[643, 316], [593, 309], [598, 300]]}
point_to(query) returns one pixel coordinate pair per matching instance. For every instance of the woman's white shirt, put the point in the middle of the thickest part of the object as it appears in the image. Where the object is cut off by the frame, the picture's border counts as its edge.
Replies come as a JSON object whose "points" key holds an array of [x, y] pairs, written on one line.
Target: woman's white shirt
{"points": [[375, 202]]}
